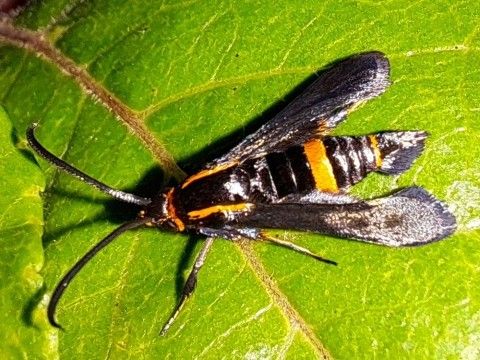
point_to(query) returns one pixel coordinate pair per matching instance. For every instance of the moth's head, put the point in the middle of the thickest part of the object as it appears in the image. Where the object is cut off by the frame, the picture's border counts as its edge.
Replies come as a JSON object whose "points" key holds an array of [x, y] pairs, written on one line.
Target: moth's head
{"points": [[157, 212]]}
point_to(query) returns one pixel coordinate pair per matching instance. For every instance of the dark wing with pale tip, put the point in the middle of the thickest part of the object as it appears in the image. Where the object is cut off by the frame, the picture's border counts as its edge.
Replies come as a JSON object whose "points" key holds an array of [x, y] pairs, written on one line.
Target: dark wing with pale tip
{"points": [[409, 217], [320, 108]]}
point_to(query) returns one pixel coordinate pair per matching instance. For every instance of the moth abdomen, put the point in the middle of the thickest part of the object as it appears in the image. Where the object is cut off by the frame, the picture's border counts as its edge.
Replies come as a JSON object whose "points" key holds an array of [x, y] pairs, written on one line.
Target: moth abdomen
{"points": [[399, 150], [353, 157]]}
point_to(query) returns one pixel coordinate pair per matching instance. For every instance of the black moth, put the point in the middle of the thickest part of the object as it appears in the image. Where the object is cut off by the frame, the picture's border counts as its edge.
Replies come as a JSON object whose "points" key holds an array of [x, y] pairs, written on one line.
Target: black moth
{"points": [[290, 175]]}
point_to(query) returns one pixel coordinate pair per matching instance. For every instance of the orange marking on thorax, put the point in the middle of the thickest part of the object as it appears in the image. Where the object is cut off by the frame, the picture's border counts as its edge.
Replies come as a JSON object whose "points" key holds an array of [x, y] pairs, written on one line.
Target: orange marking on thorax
{"points": [[320, 165], [205, 173], [172, 212], [199, 214], [376, 150]]}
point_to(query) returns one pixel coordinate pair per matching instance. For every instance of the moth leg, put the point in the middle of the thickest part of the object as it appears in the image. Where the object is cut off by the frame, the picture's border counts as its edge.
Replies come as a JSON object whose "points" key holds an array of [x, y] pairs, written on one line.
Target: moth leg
{"points": [[294, 247], [190, 284], [231, 233]]}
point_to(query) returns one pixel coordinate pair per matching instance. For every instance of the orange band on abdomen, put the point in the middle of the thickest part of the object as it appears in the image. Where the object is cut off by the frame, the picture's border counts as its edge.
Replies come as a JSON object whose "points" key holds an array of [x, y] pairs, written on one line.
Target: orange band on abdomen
{"points": [[320, 165]]}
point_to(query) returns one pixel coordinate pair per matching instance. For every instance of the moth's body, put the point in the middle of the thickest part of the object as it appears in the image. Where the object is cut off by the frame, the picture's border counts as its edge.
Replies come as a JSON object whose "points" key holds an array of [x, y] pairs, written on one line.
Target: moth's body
{"points": [[319, 164], [290, 175], [217, 200]]}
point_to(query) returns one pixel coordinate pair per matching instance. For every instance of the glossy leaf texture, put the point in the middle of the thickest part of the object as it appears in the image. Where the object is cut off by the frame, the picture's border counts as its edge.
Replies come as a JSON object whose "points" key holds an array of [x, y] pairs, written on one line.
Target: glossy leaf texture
{"points": [[201, 75], [23, 326]]}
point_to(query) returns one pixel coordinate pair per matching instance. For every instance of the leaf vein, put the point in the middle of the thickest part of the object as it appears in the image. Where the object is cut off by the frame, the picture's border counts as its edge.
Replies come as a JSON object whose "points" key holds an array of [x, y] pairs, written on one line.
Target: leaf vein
{"points": [[281, 300], [37, 44]]}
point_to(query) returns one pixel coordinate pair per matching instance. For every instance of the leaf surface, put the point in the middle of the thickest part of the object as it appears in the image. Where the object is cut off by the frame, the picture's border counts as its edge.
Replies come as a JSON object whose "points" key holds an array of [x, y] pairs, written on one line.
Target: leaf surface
{"points": [[194, 73], [24, 330]]}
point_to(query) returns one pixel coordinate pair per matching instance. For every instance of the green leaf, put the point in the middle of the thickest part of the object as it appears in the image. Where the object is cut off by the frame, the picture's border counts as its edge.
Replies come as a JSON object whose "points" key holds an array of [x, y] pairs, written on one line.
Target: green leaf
{"points": [[24, 330], [193, 73]]}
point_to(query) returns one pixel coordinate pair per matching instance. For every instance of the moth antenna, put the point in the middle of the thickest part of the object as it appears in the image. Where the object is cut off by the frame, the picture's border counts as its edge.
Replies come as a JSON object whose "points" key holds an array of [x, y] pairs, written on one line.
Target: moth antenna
{"points": [[62, 165], [68, 277]]}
